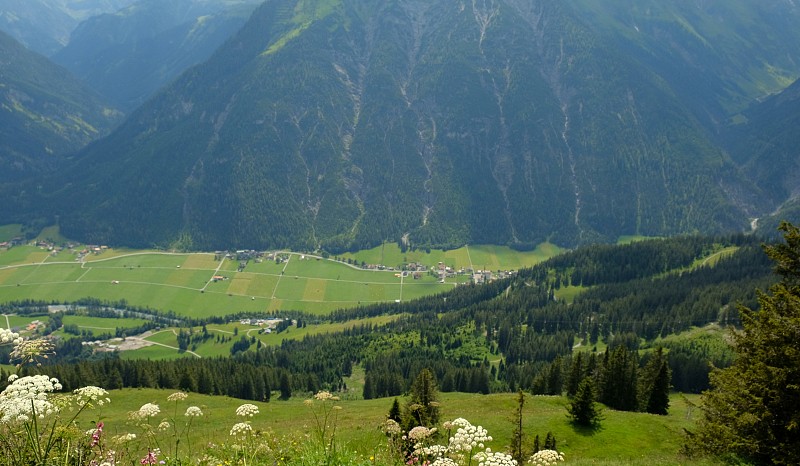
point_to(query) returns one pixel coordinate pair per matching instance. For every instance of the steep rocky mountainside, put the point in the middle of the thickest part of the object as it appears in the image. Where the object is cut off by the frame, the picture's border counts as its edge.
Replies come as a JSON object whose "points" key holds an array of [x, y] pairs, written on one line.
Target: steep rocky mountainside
{"points": [[340, 124]]}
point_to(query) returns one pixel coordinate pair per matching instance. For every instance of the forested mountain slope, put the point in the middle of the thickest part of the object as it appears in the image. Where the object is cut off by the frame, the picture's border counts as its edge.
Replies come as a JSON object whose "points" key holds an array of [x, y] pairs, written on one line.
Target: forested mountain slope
{"points": [[45, 112], [339, 124], [717, 56], [768, 145]]}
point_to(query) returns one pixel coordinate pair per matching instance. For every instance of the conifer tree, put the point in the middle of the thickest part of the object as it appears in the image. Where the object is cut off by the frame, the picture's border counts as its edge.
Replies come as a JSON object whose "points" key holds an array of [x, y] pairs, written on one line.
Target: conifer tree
{"points": [[583, 410], [654, 384], [550, 441], [753, 408], [423, 406], [576, 374], [517, 436], [394, 411]]}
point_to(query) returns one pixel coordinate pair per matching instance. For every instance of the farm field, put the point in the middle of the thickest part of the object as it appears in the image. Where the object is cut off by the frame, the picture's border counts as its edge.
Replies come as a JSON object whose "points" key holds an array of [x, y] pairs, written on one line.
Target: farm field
{"points": [[203, 284], [477, 257], [624, 438]]}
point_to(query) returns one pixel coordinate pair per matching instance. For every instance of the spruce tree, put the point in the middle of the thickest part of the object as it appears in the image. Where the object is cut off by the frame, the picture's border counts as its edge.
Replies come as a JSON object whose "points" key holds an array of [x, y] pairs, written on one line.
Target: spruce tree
{"points": [[394, 411], [576, 374], [423, 405], [583, 410], [658, 402], [654, 384], [753, 408]]}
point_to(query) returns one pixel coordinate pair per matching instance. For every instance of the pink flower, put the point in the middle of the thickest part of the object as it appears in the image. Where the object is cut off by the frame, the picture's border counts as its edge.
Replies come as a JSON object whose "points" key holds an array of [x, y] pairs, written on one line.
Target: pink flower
{"points": [[150, 458], [96, 435]]}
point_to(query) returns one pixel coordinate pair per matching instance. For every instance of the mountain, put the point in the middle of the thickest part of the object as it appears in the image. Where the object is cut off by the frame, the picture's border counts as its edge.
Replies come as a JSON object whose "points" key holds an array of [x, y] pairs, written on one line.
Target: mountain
{"points": [[767, 145], [45, 113], [45, 25], [344, 123], [128, 55], [716, 56]]}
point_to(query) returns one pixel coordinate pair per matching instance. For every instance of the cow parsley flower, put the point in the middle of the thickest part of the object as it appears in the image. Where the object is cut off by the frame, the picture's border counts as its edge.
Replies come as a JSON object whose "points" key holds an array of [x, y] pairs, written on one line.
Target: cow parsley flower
{"points": [[124, 438], [490, 458], [444, 462], [247, 410], [545, 458], [241, 428], [420, 433], [30, 351], [468, 437], [391, 427], [193, 411], [26, 397], [149, 410], [91, 394], [325, 395], [177, 396], [7, 336]]}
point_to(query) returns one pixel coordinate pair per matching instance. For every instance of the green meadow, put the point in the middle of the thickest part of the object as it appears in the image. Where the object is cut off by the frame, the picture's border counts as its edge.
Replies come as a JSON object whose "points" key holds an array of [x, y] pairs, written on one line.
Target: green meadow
{"points": [[477, 257], [623, 437], [185, 283]]}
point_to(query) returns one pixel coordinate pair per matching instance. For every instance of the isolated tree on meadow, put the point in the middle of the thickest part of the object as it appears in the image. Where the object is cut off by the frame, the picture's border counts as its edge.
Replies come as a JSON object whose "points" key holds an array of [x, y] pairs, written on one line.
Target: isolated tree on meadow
{"points": [[753, 408], [583, 409], [423, 405]]}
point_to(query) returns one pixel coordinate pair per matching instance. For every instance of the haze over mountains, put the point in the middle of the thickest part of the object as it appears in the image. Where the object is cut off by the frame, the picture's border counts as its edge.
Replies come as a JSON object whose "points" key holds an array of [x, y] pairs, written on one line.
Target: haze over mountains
{"points": [[44, 113], [341, 124]]}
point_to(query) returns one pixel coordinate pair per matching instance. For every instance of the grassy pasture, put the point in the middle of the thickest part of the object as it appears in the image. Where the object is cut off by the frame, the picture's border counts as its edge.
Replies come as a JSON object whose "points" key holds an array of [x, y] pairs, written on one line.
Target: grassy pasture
{"points": [[8, 232], [103, 323], [476, 256], [623, 438]]}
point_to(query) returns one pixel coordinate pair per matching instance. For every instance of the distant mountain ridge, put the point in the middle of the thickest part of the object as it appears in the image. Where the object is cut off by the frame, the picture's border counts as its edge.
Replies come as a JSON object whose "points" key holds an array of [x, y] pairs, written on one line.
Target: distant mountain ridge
{"points": [[129, 54], [45, 25], [341, 124], [45, 113]]}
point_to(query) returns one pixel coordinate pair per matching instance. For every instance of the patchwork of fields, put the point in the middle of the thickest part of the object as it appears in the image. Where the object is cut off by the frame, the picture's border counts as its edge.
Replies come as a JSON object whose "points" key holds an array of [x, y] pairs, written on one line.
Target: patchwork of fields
{"points": [[203, 284]]}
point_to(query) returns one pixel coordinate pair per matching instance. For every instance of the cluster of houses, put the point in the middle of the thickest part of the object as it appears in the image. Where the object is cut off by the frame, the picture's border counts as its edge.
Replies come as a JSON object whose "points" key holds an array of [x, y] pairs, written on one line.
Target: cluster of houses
{"points": [[267, 325], [12, 242]]}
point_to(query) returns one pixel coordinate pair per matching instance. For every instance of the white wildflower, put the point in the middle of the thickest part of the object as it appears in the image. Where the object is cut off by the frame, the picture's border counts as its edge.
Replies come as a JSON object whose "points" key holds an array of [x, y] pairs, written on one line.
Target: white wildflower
{"points": [[391, 427], [247, 410], [193, 411], [177, 396], [420, 433], [489, 458], [124, 438], [149, 410], [7, 336], [444, 462], [325, 395], [26, 397], [545, 457], [241, 428], [91, 394]]}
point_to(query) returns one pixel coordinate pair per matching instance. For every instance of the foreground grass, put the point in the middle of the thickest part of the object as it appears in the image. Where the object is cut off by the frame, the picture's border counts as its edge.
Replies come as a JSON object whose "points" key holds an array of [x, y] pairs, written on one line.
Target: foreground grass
{"points": [[623, 438]]}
